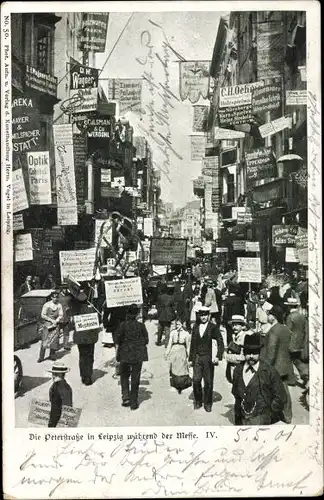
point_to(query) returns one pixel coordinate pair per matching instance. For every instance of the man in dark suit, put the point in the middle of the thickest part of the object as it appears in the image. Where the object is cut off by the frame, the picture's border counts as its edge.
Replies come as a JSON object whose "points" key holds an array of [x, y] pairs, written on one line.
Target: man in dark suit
{"points": [[257, 387], [233, 304], [276, 352], [203, 358], [60, 393], [131, 339]]}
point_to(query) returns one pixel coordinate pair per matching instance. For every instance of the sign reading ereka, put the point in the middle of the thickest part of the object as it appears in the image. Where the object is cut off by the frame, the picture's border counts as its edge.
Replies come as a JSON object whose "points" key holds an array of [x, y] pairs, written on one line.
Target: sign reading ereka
{"points": [[167, 251], [124, 292]]}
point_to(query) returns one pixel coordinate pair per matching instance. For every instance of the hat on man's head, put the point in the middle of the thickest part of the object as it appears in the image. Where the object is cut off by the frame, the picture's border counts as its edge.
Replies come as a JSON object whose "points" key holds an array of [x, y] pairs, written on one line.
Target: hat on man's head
{"points": [[203, 310], [55, 293], [59, 368], [237, 319], [132, 310], [292, 302], [252, 344]]}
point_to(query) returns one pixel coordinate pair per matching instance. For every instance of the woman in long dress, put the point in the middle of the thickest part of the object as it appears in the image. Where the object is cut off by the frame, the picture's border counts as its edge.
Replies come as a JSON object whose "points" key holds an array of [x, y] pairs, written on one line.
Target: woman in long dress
{"points": [[178, 351]]}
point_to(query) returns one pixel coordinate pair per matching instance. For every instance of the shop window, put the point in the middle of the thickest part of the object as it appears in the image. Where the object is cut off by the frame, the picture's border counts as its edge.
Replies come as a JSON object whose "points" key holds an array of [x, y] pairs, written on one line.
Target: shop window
{"points": [[43, 49]]}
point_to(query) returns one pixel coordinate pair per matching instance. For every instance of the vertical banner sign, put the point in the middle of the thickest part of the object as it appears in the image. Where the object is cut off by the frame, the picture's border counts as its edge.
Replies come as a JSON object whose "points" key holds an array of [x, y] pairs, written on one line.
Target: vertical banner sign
{"points": [[93, 32], [260, 163], [200, 115], [26, 133], [198, 144], [139, 143], [65, 177], [194, 80], [83, 87], [270, 54], [39, 178], [266, 98], [128, 92], [19, 194], [235, 104], [23, 248], [80, 157]]}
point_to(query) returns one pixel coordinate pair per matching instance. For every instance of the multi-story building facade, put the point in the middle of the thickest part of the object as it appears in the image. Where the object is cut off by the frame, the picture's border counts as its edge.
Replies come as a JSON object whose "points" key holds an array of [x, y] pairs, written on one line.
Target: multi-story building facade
{"points": [[185, 223]]}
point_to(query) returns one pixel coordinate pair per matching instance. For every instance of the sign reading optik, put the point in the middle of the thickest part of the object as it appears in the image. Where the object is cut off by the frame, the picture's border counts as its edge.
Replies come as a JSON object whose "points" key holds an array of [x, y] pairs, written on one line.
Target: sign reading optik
{"points": [[39, 178]]}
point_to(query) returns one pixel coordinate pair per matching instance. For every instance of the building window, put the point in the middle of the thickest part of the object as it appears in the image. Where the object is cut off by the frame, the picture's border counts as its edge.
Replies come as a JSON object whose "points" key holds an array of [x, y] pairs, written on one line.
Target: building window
{"points": [[43, 49], [230, 188]]}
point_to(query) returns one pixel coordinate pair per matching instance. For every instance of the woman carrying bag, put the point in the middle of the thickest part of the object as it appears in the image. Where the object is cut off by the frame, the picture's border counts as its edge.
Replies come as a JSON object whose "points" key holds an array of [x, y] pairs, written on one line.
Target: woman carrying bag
{"points": [[178, 351]]}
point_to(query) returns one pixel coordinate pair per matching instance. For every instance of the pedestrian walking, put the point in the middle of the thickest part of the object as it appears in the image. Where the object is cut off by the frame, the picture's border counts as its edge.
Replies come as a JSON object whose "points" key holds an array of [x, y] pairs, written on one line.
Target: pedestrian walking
{"points": [[234, 354], [297, 324], [263, 307], [187, 295], [85, 338], [251, 307], [51, 315], [210, 301], [275, 351], [196, 303], [166, 314], [131, 339], [203, 358], [257, 387], [60, 393], [233, 305], [177, 352]]}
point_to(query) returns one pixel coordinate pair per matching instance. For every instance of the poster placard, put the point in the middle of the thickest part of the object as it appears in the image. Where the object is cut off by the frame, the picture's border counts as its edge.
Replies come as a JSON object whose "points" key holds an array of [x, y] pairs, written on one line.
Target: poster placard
{"points": [[39, 413], [275, 126], [198, 144], [249, 269], [167, 251], [296, 97], [124, 292], [239, 245], [291, 254], [301, 242], [77, 264], [200, 115], [39, 178], [17, 222], [86, 321], [19, 194], [252, 246], [23, 248], [128, 92]]}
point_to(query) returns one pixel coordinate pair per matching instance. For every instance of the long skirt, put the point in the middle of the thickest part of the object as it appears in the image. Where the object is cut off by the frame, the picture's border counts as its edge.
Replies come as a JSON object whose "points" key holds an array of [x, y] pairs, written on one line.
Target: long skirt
{"points": [[179, 368]]}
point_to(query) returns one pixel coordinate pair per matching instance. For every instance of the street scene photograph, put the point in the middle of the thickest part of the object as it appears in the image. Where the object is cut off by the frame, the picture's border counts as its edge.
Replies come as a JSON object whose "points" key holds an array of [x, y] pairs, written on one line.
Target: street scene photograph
{"points": [[160, 218]]}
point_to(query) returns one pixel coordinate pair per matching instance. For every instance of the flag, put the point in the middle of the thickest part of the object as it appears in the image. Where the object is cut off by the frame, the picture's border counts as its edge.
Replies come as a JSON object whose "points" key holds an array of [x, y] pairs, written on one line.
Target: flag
{"points": [[194, 80]]}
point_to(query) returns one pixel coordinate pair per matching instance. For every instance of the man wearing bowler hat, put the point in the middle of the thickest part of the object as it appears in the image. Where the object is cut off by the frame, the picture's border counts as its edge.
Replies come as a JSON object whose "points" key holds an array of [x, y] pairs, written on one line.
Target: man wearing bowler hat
{"points": [[203, 359], [257, 387], [60, 393]]}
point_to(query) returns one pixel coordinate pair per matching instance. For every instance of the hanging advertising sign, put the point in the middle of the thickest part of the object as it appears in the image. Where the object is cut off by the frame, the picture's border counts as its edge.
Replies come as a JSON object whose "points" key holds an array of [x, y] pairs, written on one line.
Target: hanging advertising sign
{"points": [[148, 226], [207, 247], [239, 245], [193, 80], [105, 175], [99, 127], [23, 247], [237, 95], [65, 175], [270, 54], [26, 132], [93, 32], [252, 246], [110, 192], [83, 87], [296, 97], [249, 269], [17, 222], [77, 264], [291, 254], [39, 178], [284, 235], [120, 293], [235, 115], [275, 126], [210, 166], [221, 250], [200, 115], [266, 98], [168, 251], [301, 242], [19, 194], [198, 144], [260, 164], [80, 151], [43, 82], [128, 92]]}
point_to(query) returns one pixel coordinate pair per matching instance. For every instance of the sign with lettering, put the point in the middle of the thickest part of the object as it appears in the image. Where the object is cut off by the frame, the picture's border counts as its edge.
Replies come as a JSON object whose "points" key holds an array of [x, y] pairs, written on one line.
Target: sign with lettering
{"points": [[83, 88], [77, 264], [207, 247], [198, 144], [193, 80], [275, 126], [39, 178], [237, 95], [291, 254], [99, 127], [167, 251], [128, 92], [25, 126], [86, 321], [124, 292], [17, 222], [252, 246], [19, 194], [110, 192], [284, 235], [239, 245], [93, 32], [200, 115], [266, 98], [296, 97], [270, 54], [210, 166], [105, 175], [235, 115], [65, 176], [221, 250], [43, 82], [80, 151], [260, 164], [249, 269], [39, 413], [301, 242], [23, 247]]}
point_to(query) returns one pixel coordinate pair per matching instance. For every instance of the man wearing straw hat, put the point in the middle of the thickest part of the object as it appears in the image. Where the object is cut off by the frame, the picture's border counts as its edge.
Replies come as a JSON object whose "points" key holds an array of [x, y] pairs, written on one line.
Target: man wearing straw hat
{"points": [[60, 393]]}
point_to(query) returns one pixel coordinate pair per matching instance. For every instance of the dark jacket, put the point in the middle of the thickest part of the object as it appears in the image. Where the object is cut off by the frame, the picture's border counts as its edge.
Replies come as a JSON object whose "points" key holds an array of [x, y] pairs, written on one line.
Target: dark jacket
{"points": [[276, 349], [60, 394], [165, 308], [265, 390], [251, 307], [132, 339], [203, 345], [84, 336], [297, 323], [232, 305]]}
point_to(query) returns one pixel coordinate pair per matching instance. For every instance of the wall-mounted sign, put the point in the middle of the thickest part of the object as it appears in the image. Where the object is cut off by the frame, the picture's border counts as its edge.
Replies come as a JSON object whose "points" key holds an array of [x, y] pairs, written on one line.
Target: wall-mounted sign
{"points": [[93, 32], [237, 95], [80, 151], [291, 254], [302, 246], [284, 235], [270, 53], [23, 247], [168, 251], [252, 246], [43, 82], [26, 132], [19, 194], [139, 143], [17, 222], [39, 178], [296, 97], [239, 245], [266, 98], [200, 115], [260, 164]]}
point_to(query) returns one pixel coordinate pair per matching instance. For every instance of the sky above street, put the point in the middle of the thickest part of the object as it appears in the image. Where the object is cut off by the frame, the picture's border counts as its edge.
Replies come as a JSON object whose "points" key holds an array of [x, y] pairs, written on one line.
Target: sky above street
{"points": [[141, 49]]}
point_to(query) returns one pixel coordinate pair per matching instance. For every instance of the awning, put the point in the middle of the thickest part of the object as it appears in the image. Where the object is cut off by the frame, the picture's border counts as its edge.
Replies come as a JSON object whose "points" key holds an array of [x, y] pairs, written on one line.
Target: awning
{"points": [[226, 134], [289, 157]]}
